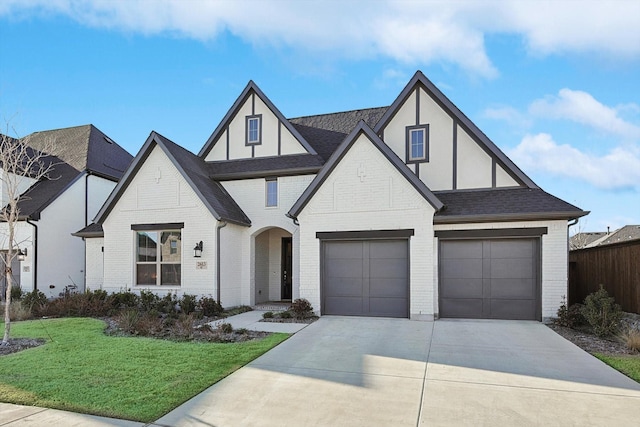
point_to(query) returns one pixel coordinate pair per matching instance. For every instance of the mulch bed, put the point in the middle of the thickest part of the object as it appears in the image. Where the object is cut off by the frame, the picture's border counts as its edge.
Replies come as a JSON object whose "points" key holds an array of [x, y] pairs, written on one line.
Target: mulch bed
{"points": [[19, 344], [591, 343]]}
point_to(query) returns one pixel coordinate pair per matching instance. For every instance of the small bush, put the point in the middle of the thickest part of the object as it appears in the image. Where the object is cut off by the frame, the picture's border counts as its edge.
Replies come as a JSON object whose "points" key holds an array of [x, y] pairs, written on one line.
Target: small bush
{"points": [[16, 292], [225, 328], [242, 331], [18, 311], [187, 303], [602, 313], [267, 315], [631, 338], [127, 320], [35, 301], [168, 304], [183, 327], [148, 300], [569, 317], [286, 315], [149, 325], [301, 308], [210, 307], [124, 299]]}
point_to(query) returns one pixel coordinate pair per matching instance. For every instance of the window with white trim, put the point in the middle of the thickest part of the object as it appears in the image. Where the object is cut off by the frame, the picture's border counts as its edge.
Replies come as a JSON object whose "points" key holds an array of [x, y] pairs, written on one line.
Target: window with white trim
{"points": [[418, 143], [271, 192], [254, 130], [158, 258]]}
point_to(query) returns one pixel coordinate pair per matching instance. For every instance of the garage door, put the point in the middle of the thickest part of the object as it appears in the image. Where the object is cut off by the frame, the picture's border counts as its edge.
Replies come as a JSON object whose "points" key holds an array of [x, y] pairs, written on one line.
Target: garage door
{"points": [[366, 278], [489, 278]]}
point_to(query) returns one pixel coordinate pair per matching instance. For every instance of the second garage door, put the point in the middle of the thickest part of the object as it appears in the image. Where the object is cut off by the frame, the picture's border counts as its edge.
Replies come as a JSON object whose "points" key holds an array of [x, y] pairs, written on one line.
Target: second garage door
{"points": [[366, 278], [490, 278]]}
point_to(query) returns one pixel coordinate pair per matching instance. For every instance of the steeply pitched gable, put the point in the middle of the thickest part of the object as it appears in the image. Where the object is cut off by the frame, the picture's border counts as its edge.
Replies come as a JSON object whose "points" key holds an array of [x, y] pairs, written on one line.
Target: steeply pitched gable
{"points": [[463, 157], [339, 154], [276, 135], [193, 169]]}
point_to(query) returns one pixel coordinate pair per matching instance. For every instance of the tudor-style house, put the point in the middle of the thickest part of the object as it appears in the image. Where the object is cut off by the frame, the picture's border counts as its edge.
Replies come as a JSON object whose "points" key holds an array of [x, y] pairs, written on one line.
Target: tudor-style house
{"points": [[402, 211]]}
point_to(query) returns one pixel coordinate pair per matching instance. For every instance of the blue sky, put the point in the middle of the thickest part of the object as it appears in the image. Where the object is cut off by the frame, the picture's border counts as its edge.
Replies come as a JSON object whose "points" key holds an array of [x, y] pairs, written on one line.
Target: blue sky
{"points": [[556, 85]]}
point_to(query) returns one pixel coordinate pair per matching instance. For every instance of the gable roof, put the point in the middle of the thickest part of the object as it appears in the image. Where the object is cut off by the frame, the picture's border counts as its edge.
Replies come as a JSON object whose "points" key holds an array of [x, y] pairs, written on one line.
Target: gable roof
{"points": [[445, 103], [586, 239], [251, 88], [73, 152], [194, 170], [624, 234], [343, 122], [342, 150], [508, 204]]}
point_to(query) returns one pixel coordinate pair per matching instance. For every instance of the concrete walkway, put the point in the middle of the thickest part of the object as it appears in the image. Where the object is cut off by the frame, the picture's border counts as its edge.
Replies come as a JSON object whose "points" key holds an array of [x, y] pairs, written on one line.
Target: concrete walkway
{"points": [[251, 321], [347, 371]]}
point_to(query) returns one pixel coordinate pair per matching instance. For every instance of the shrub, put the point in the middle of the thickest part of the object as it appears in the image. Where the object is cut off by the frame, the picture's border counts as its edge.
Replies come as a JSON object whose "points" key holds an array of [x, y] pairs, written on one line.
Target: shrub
{"points": [[267, 315], [631, 338], [187, 303], [16, 292], [225, 328], [210, 307], [183, 327], [168, 304], [148, 300], [286, 315], [242, 331], [124, 299], [79, 305], [569, 317], [149, 325], [127, 320], [602, 313], [35, 301], [18, 311], [301, 308]]}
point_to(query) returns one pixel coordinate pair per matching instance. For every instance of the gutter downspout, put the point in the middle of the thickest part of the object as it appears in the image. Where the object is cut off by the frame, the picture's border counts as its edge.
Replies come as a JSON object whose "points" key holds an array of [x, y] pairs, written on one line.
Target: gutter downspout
{"points": [[86, 222], [294, 219], [220, 225], [35, 255]]}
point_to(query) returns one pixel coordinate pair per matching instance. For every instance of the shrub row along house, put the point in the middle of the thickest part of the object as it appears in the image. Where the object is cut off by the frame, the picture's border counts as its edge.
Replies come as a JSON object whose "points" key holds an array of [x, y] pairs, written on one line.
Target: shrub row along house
{"points": [[87, 164], [402, 211]]}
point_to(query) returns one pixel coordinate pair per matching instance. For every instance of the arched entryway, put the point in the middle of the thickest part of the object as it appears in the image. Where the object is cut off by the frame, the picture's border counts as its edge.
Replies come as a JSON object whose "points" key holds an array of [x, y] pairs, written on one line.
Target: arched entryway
{"points": [[273, 265]]}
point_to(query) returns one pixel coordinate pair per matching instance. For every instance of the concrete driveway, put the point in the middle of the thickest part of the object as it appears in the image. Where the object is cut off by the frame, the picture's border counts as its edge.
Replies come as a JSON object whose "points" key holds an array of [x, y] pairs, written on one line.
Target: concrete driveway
{"points": [[392, 372]]}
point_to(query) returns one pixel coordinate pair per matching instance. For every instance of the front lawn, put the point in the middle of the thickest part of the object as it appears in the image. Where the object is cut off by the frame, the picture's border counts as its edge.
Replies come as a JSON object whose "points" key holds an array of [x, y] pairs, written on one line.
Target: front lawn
{"points": [[628, 365], [81, 369]]}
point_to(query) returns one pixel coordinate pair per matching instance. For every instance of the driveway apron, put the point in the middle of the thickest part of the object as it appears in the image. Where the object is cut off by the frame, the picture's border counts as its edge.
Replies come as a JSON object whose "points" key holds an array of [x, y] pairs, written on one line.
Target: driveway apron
{"points": [[350, 371]]}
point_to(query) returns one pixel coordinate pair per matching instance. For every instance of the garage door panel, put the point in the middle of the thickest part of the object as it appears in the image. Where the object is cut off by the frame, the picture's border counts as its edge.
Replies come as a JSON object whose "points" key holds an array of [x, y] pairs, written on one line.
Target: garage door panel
{"points": [[515, 268], [366, 278], [461, 249], [513, 288], [463, 268], [393, 288], [511, 249], [513, 309], [345, 287], [502, 283], [470, 308]]}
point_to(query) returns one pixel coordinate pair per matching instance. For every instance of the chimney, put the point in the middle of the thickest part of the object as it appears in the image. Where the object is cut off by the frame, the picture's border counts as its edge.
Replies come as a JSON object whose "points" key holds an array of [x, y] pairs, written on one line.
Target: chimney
{"points": [[607, 229]]}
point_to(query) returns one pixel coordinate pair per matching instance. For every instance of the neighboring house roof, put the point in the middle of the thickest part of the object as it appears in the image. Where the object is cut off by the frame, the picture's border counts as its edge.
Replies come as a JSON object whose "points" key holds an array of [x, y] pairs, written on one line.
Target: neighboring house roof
{"points": [[343, 122], [331, 164], [91, 230], [623, 234], [460, 118], [248, 90], [73, 152], [194, 170], [502, 204]]}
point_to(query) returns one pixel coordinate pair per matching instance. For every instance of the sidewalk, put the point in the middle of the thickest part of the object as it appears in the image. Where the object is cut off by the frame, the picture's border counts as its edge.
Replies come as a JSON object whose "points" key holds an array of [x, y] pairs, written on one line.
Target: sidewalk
{"points": [[251, 321]]}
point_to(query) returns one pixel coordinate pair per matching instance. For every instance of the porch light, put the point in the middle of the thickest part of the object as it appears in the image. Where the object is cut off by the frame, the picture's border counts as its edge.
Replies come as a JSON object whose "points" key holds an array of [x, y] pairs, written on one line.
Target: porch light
{"points": [[197, 251], [22, 255]]}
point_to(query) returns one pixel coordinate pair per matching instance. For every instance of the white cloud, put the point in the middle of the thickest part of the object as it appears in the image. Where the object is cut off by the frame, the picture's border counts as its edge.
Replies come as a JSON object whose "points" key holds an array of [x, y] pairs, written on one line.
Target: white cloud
{"points": [[583, 108], [410, 32], [618, 169]]}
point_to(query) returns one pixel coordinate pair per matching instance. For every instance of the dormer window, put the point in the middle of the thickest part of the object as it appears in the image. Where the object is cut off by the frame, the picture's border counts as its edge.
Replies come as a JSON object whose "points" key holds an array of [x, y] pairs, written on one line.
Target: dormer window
{"points": [[254, 130], [417, 144]]}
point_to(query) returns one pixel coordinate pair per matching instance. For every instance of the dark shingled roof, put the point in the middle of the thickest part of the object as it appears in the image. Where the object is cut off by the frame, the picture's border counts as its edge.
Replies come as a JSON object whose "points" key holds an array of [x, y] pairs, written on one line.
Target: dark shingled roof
{"points": [[503, 204], [343, 122], [624, 234], [91, 230], [323, 141], [73, 151], [196, 170], [265, 166]]}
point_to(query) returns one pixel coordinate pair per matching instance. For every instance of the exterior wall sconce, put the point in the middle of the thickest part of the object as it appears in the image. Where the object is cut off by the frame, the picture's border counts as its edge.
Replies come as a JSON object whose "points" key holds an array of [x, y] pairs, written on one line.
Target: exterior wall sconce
{"points": [[22, 255], [197, 251]]}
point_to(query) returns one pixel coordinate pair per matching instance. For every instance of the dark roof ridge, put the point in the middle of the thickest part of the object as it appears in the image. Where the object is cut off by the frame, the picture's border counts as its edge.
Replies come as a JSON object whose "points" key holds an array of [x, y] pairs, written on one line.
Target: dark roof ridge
{"points": [[337, 112]]}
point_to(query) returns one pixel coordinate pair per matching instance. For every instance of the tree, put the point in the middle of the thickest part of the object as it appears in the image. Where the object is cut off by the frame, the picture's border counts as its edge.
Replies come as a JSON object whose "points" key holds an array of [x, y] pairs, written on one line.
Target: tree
{"points": [[21, 166]]}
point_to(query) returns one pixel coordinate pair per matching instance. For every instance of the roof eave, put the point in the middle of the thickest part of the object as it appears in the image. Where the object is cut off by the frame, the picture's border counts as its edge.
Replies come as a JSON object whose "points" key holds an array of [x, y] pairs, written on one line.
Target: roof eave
{"points": [[533, 216], [267, 173]]}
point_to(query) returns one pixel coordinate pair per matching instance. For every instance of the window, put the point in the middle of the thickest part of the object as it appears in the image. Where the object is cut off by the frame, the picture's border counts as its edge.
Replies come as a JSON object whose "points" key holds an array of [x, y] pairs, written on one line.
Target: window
{"points": [[418, 143], [254, 130], [271, 191], [158, 258]]}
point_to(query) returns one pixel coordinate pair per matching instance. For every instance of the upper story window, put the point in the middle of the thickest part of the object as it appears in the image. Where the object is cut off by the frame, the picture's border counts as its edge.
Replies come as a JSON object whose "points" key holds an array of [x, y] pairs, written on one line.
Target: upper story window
{"points": [[271, 191], [158, 257], [417, 144], [254, 129]]}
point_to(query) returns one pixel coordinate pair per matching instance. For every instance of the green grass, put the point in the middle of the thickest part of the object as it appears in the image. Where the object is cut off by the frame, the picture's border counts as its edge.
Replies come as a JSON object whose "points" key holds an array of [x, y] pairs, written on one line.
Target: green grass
{"points": [[628, 365], [81, 369]]}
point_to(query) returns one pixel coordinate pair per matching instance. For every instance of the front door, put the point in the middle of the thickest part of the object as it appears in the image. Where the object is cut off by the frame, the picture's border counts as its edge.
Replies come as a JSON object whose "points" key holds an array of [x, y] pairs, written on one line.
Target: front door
{"points": [[287, 263]]}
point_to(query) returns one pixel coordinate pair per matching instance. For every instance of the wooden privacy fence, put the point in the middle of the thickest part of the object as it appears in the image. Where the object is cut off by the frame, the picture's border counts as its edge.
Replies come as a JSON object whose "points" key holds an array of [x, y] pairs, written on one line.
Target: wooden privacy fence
{"points": [[616, 266]]}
